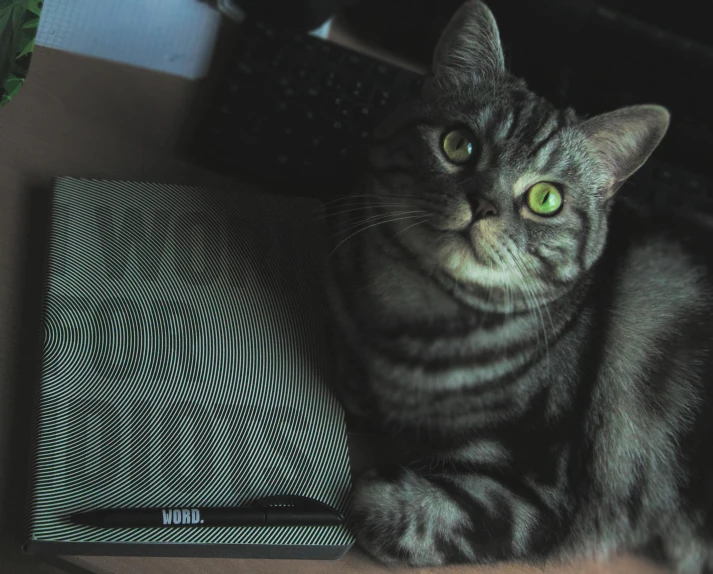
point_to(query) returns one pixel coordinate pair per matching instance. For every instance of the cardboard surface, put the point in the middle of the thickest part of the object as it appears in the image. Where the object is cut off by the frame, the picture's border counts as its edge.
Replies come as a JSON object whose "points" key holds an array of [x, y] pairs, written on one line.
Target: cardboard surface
{"points": [[89, 118]]}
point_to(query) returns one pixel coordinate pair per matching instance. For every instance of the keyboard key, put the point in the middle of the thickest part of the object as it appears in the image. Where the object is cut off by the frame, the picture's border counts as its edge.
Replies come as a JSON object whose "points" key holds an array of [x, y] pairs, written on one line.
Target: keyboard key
{"points": [[244, 68], [352, 62]]}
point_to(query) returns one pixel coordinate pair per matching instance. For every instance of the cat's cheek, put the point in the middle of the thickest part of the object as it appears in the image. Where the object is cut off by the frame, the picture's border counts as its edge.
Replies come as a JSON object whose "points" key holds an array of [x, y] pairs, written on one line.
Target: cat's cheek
{"points": [[433, 248]]}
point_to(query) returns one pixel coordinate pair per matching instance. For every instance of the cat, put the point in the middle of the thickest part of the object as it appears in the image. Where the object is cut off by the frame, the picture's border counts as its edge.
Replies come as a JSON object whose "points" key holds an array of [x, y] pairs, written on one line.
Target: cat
{"points": [[533, 348]]}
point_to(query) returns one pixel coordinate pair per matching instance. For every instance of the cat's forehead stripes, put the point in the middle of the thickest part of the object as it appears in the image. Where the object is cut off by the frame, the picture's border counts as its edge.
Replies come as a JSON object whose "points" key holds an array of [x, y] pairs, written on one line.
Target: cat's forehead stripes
{"points": [[502, 125], [527, 132], [550, 128]]}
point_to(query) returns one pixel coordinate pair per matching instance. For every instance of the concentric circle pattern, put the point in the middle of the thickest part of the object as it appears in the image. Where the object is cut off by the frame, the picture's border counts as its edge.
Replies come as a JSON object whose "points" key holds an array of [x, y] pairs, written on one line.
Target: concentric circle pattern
{"points": [[184, 362]]}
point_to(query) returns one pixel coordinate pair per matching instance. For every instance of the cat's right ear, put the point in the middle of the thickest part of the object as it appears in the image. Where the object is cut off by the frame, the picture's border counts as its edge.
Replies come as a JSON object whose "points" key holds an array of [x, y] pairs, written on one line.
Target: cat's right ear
{"points": [[624, 139], [470, 44]]}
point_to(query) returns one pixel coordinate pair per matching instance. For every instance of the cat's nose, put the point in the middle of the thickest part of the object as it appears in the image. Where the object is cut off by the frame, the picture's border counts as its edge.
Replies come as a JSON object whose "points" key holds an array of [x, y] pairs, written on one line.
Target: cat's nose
{"points": [[482, 208]]}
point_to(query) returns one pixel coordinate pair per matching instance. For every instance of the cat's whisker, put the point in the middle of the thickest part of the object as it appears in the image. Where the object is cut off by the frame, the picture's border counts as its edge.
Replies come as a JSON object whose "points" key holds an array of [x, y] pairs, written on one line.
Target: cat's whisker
{"points": [[370, 202], [490, 287], [377, 217], [366, 228], [495, 255], [530, 300], [369, 195], [527, 292], [413, 225], [527, 277], [547, 310], [529, 296], [361, 208], [521, 267], [540, 319]]}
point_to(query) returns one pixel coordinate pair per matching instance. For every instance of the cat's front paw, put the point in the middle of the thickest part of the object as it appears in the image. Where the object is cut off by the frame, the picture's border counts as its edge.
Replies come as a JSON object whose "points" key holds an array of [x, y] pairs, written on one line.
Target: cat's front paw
{"points": [[402, 518]]}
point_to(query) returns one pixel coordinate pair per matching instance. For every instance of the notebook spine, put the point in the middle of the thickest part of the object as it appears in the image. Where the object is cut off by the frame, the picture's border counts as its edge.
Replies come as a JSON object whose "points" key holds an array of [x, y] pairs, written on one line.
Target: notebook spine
{"points": [[34, 373]]}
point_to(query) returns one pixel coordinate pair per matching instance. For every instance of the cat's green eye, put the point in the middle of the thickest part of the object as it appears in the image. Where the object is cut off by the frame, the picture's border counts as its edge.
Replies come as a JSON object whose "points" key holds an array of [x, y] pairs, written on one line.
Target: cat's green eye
{"points": [[458, 146], [544, 199]]}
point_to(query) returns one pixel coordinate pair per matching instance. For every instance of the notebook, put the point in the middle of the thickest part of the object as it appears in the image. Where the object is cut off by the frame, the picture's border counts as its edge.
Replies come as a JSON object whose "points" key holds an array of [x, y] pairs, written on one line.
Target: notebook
{"points": [[184, 364]]}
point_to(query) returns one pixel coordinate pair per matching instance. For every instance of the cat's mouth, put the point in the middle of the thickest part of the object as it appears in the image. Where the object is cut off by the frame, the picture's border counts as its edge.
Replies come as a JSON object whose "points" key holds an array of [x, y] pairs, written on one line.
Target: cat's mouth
{"points": [[473, 241], [465, 234], [461, 249], [461, 257]]}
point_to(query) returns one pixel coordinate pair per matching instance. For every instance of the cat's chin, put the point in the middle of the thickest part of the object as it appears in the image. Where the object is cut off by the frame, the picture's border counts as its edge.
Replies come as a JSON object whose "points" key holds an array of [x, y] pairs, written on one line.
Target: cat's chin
{"points": [[472, 239], [475, 260], [460, 259], [455, 253]]}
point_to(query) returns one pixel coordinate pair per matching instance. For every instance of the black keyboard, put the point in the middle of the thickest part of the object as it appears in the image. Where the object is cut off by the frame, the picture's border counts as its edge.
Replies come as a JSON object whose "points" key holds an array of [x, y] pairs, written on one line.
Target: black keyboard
{"points": [[292, 108], [291, 105]]}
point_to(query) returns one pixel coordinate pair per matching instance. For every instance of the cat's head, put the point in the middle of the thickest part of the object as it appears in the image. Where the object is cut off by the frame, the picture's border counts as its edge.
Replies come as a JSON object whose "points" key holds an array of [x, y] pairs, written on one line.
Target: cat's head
{"points": [[494, 190]]}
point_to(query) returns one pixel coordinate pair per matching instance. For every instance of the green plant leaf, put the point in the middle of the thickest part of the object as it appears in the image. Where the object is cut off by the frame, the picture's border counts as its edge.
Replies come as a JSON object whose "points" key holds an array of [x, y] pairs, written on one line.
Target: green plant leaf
{"points": [[28, 48], [22, 39], [18, 15], [4, 19], [34, 6], [12, 85], [18, 26], [7, 48], [21, 66]]}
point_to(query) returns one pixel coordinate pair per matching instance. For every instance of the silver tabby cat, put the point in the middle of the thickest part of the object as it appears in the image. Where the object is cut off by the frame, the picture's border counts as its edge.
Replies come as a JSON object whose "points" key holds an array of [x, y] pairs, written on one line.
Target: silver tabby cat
{"points": [[534, 351]]}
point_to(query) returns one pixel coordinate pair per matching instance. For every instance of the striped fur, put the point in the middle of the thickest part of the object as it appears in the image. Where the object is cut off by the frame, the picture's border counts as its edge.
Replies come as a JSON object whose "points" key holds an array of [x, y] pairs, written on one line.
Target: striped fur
{"points": [[541, 380]]}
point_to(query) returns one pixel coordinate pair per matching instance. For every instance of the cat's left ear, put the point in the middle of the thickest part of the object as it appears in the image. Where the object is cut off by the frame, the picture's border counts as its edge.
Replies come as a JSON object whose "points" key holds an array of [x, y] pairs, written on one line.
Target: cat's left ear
{"points": [[624, 139], [470, 44]]}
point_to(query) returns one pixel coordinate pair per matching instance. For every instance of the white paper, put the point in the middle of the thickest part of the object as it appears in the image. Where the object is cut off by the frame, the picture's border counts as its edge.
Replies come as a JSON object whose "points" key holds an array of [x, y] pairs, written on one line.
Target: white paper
{"points": [[172, 36]]}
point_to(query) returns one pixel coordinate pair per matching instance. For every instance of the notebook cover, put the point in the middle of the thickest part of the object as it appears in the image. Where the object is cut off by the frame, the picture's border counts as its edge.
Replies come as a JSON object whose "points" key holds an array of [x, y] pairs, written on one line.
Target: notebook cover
{"points": [[184, 364]]}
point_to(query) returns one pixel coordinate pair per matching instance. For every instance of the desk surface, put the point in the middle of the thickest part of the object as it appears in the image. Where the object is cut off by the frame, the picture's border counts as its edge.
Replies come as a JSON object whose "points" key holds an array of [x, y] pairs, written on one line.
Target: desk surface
{"points": [[88, 118]]}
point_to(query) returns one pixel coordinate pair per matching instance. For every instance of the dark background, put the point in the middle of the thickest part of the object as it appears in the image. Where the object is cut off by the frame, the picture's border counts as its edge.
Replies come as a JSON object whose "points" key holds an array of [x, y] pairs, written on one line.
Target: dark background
{"points": [[594, 56]]}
